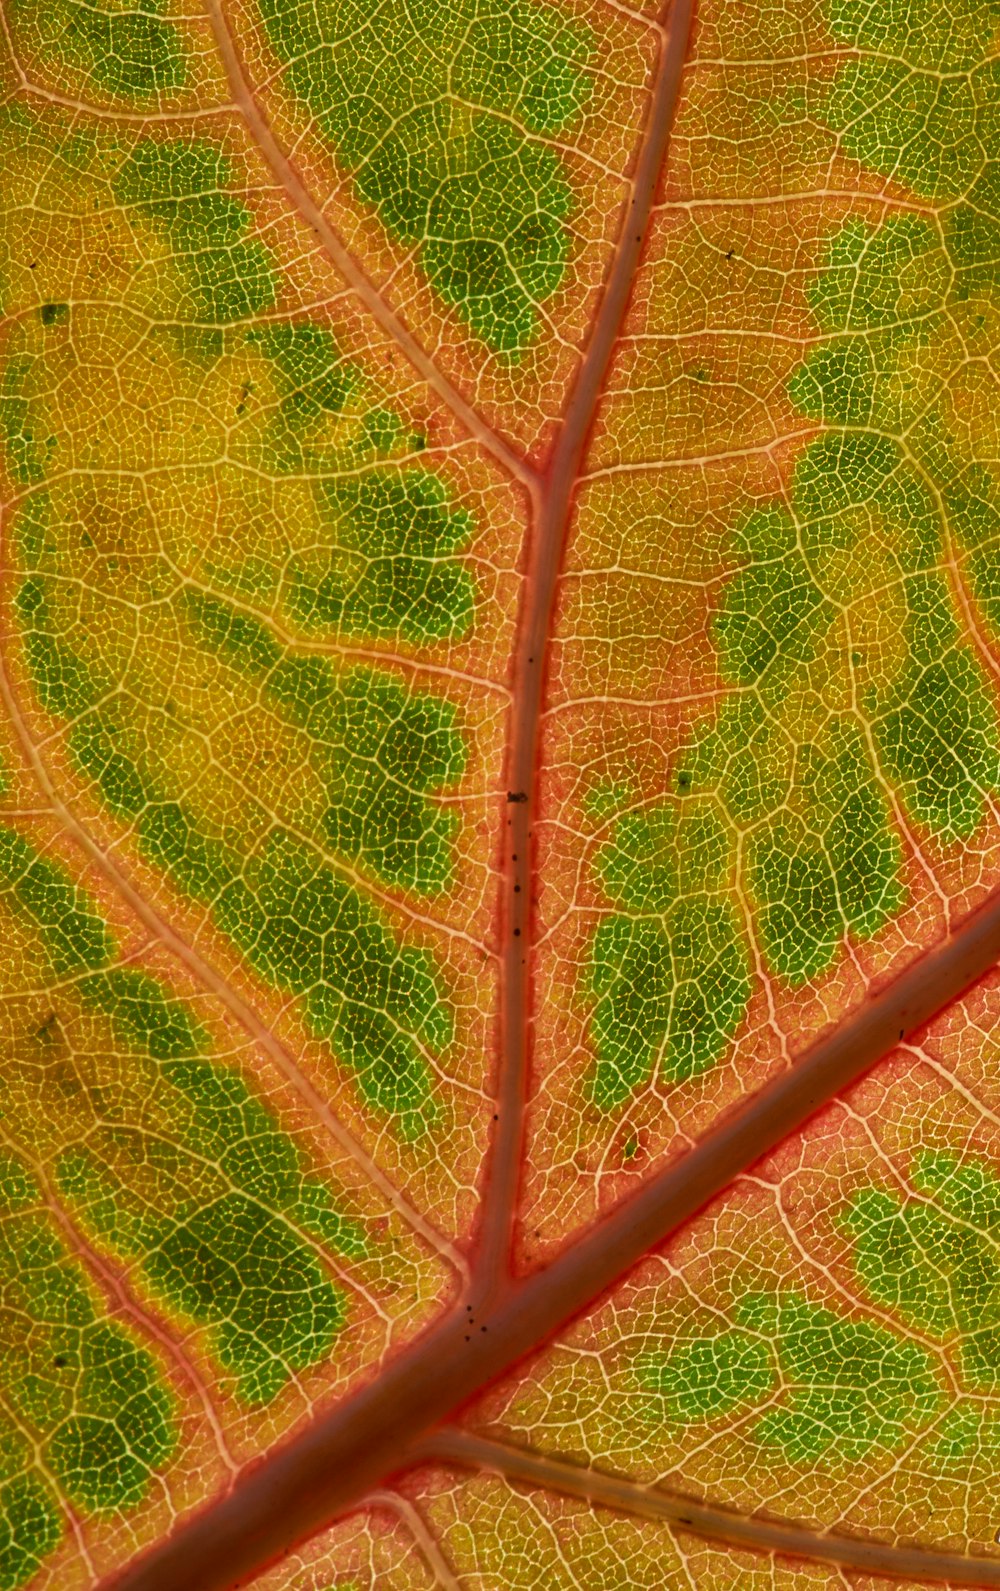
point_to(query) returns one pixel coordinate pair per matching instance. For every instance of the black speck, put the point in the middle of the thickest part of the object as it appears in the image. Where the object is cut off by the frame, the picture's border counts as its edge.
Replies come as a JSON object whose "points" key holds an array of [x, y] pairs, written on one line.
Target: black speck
{"points": [[730, 254], [59, 1362], [51, 313], [684, 781], [516, 795], [517, 935]]}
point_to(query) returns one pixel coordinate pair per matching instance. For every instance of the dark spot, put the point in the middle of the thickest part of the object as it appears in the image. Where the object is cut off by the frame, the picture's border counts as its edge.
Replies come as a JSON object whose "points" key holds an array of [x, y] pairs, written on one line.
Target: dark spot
{"points": [[730, 254], [51, 313], [516, 795], [684, 781], [517, 933], [59, 1362]]}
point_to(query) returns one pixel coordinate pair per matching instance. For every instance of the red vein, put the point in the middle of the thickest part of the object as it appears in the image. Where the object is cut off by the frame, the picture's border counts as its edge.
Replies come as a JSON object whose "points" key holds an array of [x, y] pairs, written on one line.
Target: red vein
{"points": [[299, 196], [330, 1464], [752, 1531], [532, 652]]}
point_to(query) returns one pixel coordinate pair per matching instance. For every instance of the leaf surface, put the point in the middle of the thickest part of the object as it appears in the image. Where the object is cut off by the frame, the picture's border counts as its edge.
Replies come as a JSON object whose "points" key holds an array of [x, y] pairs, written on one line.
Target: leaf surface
{"points": [[499, 829]]}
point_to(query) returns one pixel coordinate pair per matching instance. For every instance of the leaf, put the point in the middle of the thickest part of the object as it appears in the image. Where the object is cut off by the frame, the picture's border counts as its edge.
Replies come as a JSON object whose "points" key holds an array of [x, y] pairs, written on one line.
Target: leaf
{"points": [[498, 817]]}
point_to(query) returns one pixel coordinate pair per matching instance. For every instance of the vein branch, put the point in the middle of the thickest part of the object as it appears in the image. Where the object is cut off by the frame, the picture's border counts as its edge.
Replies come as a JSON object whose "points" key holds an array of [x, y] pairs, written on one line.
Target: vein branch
{"points": [[352, 273], [532, 653], [755, 1532]]}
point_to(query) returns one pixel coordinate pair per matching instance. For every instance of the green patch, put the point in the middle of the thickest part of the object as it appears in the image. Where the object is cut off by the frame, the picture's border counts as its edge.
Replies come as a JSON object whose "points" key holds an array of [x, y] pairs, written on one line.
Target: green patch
{"points": [[958, 1435], [378, 748], [831, 872], [27, 445], [131, 53], [671, 972], [222, 1220], [147, 1018], [312, 376], [836, 1387], [65, 683], [933, 1259], [706, 1378], [434, 115], [887, 278], [851, 1386], [30, 1527], [75, 937], [390, 567], [179, 187], [772, 613], [923, 107], [85, 1391]]}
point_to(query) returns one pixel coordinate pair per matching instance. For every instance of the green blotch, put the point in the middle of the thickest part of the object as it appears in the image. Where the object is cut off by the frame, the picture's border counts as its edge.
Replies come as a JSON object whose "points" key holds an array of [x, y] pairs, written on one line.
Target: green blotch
{"points": [[235, 1261], [92, 1397], [179, 187], [312, 376], [379, 1005], [933, 1259], [711, 1376], [818, 878], [219, 1227], [271, 1307], [883, 278], [608, 796], [144, 1015], [65, 683], [929, 116], [107, 747], [913, 125], [75, 937], [411, 105], [934, 722], [772, 613], [671, 973], [133, 53], [939, 35], [28, 449], [958, 1434], [311, 934], [972, 499], [30, 1527], [390, 569], [879, 298], [851, 1386], [378, 747]]}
